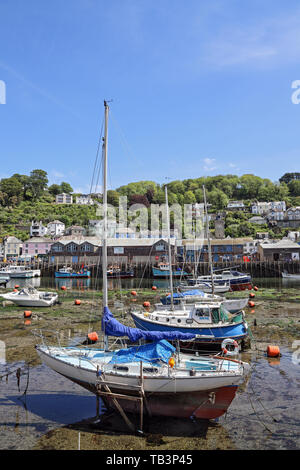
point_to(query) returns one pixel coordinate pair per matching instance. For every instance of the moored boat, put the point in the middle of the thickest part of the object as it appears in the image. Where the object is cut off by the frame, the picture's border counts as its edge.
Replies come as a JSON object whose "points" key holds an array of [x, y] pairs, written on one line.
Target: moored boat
{"points": [[70, 273], [30, 297], [162, 270]]}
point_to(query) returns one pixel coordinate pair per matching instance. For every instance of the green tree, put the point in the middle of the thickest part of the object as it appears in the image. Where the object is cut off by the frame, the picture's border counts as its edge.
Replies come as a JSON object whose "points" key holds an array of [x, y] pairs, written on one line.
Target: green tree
{"points": [[11, 188], [66, 188], [38, 182], [54, 189]]}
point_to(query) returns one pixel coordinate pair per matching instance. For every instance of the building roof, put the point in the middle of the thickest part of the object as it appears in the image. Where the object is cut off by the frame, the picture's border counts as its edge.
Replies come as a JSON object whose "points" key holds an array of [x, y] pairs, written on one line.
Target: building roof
{"points": [[38, 240], [12, 239], [112, 241], [281, 244], [216, 241], [56, 222]]}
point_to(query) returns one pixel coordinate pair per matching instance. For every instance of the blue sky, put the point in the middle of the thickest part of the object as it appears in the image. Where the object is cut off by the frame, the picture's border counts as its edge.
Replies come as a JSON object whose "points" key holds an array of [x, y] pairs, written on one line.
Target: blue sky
{"points": [[198, 88]]}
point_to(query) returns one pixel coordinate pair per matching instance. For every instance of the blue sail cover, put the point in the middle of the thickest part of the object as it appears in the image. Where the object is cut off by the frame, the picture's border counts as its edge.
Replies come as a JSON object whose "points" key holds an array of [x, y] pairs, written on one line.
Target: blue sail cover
{"points": [[153, 352], [112, 327], [181, 295]]}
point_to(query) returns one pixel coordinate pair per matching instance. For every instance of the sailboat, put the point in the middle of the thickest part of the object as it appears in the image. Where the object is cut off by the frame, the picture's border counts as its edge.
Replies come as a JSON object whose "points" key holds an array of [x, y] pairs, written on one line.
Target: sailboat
{"points": [[207, 318], [169, 382]]}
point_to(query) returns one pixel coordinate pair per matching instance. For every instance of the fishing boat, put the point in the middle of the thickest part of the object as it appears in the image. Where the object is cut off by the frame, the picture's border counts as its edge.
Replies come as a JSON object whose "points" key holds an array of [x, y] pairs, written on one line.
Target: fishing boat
{"points": [[162, 270], [210, 321], [115, 272], [167, 381], [237, 280], [295, 277], [20, 272], [30, 297], [71, 273]]}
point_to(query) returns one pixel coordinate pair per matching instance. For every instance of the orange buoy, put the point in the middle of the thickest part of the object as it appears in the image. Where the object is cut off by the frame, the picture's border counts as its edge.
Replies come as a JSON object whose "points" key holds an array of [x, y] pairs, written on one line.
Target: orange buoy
{"points": [[252, 295], [77, 302], [154, 288], [171, 362], [146, 304], [133, 292], [255, 288], [252, 311], [251, 304], [15, 290], [63, 288], [17, 286], [27, 313], [273, 351], [93, 337]]}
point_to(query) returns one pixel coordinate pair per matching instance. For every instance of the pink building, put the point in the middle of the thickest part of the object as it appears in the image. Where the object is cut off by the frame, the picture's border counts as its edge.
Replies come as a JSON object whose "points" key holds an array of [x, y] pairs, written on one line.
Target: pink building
{"points": [[36, 246]]}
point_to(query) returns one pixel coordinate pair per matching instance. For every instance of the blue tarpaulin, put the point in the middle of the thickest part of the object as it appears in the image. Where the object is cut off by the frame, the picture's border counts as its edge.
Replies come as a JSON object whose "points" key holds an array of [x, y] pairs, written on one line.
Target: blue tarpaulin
{"points": [[152, 352], [112, 327], [181, 295]]}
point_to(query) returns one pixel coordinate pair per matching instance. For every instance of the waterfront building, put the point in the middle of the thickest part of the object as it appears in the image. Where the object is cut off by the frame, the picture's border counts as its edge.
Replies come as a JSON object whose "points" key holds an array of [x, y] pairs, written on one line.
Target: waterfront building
{"points": [[282, 250], [36, 246], [12, 247]]}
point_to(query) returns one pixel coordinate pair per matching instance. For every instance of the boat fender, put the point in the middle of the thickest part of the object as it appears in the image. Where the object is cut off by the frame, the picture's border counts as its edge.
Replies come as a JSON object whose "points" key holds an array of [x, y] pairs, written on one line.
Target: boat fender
{"points": [[171, 362], [232, 342]]}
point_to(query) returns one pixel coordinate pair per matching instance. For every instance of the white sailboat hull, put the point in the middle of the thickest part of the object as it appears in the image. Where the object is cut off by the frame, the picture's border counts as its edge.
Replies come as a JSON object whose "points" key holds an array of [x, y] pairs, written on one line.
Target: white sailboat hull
{"points": [[82, 371]]}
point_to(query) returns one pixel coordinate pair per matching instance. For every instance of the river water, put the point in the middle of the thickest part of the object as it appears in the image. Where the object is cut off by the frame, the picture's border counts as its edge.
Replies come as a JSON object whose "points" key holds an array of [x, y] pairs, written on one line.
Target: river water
{"points": [[54, 413]]}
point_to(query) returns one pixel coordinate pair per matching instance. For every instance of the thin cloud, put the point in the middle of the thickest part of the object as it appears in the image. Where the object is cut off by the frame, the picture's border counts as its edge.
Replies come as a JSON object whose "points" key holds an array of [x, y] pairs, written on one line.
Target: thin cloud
{"points": [[209, 164]]}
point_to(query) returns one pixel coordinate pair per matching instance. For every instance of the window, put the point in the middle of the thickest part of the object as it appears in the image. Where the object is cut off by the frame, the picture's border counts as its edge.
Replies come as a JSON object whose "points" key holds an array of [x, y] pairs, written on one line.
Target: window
{"points": [[202, 313]]}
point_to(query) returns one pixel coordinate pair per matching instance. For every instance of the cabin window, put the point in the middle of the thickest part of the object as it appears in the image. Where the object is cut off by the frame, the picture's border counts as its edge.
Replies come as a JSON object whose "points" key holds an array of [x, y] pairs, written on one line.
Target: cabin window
{"points": [[121, 368], [202, 312], [149, 370]]}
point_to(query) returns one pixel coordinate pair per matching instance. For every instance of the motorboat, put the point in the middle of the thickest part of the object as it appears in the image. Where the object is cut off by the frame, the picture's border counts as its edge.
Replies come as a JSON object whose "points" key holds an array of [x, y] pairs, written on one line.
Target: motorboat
{"points": [[20, 272], [30, 297]]}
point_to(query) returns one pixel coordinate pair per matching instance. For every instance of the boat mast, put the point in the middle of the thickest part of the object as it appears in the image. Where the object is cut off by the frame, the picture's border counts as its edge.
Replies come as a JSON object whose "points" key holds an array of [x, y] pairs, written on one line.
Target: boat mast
{"points": [[104, 247], [208, 241], [169, 247]]}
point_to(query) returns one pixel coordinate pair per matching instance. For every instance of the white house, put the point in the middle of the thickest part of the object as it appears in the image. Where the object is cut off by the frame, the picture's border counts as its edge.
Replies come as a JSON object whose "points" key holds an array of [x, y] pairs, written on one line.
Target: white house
{"points": [[293, 213], [37, 229], [56, 228], [236, 206], [64, 198], [261, 208]]}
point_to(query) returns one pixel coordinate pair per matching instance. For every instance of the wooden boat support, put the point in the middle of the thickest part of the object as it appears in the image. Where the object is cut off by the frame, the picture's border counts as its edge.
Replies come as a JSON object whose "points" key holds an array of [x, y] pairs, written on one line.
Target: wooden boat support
{"points": [[141, 398]]}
